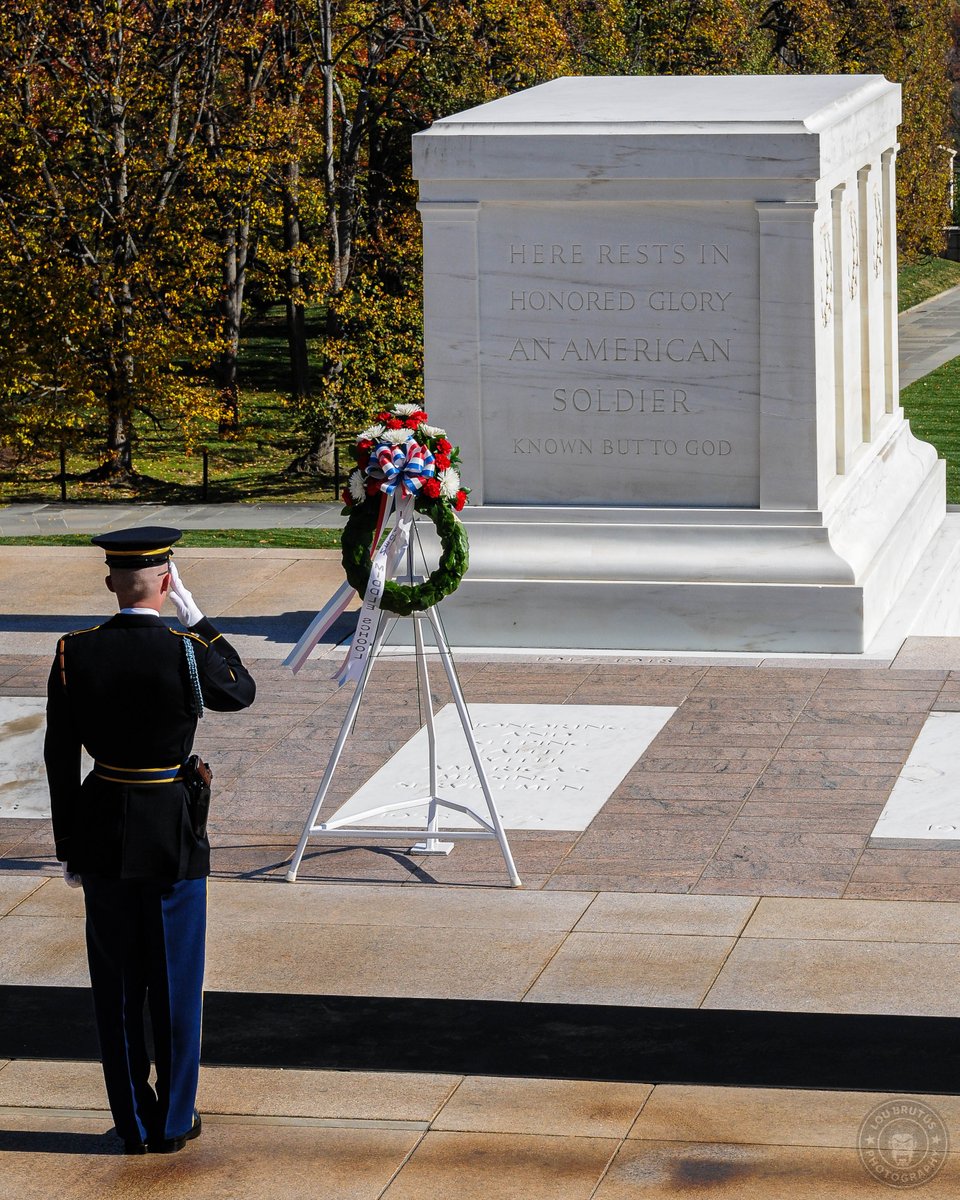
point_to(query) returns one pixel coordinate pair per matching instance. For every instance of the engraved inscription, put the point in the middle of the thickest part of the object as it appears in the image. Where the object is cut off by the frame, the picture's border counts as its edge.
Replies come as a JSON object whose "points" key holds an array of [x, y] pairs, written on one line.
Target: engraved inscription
{"points": [[622, 254], [537, 757], [620, 351], [639, 398]]}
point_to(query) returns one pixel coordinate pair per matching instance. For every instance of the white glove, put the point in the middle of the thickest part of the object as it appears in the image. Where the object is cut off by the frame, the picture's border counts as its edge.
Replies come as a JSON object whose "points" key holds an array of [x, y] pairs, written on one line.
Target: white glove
{"points": [[70, 879], [183, 601]]}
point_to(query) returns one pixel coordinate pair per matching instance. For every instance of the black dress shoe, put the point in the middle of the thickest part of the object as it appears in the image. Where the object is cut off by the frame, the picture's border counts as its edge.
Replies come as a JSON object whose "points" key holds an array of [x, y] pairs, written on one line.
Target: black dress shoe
{"points": [[172, 1145], [134, 1147]]}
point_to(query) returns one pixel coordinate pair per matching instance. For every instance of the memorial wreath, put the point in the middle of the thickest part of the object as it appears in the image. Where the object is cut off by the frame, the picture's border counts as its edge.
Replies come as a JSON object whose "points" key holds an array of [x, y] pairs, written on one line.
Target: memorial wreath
{"points": [[403, 458]]}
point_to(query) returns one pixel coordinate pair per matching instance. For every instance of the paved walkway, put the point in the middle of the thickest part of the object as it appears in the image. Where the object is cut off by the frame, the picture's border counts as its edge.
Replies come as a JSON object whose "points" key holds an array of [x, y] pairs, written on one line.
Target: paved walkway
{"points": [[733, 870], [731, 874], [24, 520], [929, 335]]}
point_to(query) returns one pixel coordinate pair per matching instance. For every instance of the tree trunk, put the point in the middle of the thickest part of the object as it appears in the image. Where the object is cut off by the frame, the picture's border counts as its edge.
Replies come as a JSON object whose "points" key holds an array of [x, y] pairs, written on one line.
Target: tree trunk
{"points": [[119, 442], [297, 341], [296, 317], [117, 466], [230, 309], [317, 459]]}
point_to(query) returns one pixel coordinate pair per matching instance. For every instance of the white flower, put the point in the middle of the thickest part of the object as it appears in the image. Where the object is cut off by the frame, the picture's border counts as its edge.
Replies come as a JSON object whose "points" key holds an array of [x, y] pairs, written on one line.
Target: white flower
{"points": [[355, 484], [450, 483], [404, 410], [371, 434], [433, 431], [395, 437]]}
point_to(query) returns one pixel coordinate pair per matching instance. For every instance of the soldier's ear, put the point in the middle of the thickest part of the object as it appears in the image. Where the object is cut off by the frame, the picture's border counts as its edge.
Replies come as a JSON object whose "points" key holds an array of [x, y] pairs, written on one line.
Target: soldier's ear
{"points": [[109, 582], [165, 583]]}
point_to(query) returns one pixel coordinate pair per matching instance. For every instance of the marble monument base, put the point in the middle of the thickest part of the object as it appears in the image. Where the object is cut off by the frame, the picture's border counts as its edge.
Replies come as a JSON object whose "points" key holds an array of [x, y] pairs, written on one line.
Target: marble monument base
{"points": [[705, 579]]}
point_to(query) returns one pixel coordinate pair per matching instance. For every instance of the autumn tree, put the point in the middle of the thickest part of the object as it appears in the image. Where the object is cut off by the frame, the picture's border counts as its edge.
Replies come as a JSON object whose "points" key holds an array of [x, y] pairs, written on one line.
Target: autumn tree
{"points": [[361, 55], [236, 136], [101, 112]]}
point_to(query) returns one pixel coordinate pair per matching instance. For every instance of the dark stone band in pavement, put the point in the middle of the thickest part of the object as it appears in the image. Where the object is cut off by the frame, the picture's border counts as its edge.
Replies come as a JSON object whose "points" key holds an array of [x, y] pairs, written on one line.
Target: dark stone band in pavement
{"points": [[765, 781]]}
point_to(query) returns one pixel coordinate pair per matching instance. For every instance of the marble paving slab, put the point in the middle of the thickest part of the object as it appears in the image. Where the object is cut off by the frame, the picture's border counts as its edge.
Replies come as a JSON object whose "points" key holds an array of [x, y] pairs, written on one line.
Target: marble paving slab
{"points": [[925, 801], [550, 766], [23, 779]]}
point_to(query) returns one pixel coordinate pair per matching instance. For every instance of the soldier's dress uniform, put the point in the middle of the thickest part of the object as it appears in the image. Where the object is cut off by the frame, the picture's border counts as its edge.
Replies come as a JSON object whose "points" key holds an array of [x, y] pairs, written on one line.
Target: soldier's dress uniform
{"points": [[123, 691]]}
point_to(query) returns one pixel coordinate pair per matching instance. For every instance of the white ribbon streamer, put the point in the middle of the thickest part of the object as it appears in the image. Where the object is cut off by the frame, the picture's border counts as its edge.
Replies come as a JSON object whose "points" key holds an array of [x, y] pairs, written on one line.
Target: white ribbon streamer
{"points": [[334, 607], [383, 567]]}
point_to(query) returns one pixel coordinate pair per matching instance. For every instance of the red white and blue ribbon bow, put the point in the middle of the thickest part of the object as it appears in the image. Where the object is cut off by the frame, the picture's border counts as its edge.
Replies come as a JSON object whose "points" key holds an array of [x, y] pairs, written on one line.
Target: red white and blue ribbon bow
{"points": [[405, 467]]}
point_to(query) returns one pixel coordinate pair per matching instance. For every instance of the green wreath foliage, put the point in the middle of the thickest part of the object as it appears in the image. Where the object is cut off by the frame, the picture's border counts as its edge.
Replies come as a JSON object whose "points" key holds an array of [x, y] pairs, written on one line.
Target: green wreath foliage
{"points": [[400, 598]]}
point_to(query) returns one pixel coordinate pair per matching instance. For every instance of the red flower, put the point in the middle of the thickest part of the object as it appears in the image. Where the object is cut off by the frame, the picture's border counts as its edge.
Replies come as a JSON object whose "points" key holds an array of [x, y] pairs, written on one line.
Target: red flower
{"points": [[444, 446], [460, 500], [419, 416], [431, 488], [383, 417], [441, 461], [345, 496], [366, 444], [412, 422], [394, 423]]}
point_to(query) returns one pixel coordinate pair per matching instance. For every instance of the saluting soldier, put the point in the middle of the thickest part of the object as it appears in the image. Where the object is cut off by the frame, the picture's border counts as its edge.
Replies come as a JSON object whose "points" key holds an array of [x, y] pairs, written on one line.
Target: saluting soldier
{"points": [[131, 691]]}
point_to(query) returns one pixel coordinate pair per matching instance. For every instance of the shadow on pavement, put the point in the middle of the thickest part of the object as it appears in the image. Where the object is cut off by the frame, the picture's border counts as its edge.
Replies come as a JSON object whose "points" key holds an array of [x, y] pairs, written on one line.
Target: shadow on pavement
{"points": [[52, 1141], [284, 628]]}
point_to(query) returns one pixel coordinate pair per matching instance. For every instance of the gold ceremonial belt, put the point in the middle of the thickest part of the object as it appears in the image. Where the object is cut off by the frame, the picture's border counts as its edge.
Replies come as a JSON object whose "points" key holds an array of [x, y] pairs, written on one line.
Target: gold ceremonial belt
{"points": [[137, 775]]}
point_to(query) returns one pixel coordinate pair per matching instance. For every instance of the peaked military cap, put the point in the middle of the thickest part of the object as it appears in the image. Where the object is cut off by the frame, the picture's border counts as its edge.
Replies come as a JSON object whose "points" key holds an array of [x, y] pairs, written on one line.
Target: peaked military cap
{"points": [[146, 546]]}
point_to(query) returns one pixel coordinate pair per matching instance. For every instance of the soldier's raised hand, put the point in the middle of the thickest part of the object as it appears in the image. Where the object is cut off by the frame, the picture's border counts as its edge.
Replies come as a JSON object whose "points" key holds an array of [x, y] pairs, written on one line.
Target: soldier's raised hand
{"points": [[183, 601]]}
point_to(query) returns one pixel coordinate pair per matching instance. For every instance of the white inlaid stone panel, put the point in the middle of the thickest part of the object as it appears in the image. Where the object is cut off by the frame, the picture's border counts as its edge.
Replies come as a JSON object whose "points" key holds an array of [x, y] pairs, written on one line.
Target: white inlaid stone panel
{"points": [[925, 801], [23, 778], [549, 766]]}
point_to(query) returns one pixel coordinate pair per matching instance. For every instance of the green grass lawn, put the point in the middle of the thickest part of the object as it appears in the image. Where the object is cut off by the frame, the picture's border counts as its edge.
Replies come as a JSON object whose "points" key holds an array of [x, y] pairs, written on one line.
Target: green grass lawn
{"points": [[918, 281], [932, 406], [249, 467], [294, 539]]}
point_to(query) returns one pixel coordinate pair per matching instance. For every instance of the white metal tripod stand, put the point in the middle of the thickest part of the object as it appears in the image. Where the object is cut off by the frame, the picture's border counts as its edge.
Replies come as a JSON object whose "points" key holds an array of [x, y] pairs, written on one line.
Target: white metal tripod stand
{"points": [[490, 827]]}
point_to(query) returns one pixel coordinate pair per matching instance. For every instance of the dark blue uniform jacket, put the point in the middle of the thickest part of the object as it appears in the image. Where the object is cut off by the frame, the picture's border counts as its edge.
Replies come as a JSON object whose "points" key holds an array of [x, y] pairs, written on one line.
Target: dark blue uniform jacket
{"points": [[122, 691]]}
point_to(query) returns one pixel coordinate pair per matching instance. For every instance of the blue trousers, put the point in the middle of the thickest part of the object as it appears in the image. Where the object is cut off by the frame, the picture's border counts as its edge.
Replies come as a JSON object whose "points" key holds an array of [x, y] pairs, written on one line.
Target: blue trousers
{"points": [[145, 947]]}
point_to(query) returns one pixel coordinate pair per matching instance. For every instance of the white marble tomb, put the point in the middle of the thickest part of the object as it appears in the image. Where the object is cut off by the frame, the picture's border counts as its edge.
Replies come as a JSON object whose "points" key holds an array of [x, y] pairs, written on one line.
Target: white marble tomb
{"points": [[661, 322]]}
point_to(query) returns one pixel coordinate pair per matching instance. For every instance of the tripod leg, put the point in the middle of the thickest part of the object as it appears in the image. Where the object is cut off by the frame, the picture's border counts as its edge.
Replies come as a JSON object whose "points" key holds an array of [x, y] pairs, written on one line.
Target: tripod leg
{"points": [[447, 660], [337, 751], [431, 845]]}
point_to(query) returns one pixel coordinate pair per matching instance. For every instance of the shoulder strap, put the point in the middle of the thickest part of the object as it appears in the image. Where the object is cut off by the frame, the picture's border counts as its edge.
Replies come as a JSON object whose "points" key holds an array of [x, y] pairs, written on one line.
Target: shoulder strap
{"points": [[194, 677]]}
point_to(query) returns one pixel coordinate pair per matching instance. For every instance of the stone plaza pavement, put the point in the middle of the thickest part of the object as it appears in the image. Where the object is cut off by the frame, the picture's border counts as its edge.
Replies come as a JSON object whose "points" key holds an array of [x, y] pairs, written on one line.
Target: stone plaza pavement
{"points": [[732, 871]]}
